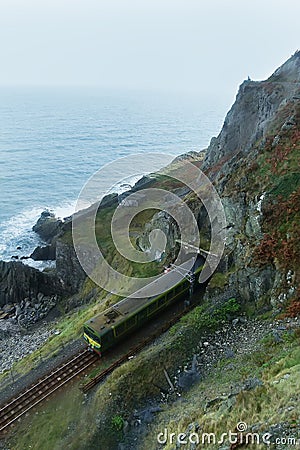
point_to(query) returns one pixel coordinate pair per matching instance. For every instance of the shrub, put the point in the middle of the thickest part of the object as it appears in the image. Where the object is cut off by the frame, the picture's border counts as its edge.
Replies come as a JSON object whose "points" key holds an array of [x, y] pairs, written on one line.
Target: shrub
{"points": [[117, 422]]}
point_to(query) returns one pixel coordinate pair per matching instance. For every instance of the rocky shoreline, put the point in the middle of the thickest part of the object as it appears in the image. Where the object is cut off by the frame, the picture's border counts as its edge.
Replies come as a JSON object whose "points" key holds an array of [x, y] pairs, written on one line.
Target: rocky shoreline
{"points": [[25, 313], [252, 163], [28, 299], [17, 346], [27, 294], [20, 345]]}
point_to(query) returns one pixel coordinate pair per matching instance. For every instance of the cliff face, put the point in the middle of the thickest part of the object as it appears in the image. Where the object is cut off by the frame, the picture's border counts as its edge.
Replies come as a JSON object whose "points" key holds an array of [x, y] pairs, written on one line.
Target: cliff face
{"points": [[240, 368], [251, 117], [68, 268], [18, 282], [254, 163]]}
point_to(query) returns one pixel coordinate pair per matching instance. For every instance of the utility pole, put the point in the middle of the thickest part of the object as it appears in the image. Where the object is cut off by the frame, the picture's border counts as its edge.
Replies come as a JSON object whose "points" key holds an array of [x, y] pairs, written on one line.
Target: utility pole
{"points": [[190, 276]]}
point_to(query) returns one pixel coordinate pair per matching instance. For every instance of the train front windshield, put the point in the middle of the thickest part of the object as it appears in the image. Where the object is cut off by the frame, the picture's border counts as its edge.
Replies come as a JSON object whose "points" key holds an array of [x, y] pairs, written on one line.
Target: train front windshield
{"points": [[91, 337]]}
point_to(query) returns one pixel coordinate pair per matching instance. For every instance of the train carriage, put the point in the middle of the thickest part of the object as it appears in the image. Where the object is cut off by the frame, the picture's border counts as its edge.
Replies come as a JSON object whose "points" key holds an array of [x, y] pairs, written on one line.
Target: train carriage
{"points": [[109, 327]]}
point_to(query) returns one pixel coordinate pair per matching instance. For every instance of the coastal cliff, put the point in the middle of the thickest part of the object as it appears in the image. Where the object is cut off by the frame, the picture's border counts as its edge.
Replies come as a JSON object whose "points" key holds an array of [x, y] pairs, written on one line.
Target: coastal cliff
{"points": [[254, 163], [251, 119], [254, 167], [236, 356]]}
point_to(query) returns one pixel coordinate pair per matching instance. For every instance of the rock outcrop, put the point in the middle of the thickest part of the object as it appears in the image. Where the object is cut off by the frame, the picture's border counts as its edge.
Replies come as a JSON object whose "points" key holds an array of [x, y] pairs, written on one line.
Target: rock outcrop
{"points": [[252, 160], [253, 163], [68, 268], [18, 281], [252, 115], [44, 253], [48, 226]]}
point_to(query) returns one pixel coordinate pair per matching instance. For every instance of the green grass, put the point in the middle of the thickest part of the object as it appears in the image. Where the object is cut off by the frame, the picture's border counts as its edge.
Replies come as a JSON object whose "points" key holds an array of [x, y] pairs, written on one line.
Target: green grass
{"points": [[218, 280], [274, 402], [126, 388], [117, 422], [53, 423], [286, 185], [100, 418]]}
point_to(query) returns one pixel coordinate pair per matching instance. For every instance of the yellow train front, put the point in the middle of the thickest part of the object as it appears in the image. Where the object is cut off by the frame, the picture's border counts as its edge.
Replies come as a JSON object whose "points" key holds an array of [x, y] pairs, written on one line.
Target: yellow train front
{"points": [[106, 329]]}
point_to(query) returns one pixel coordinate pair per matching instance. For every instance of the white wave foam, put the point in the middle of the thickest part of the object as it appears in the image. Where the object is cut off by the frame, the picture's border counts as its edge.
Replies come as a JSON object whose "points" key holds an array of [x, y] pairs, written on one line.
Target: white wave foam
{"points": [[16, 235], [41, 265], [66, 209], [125, 184], [17, 231]]}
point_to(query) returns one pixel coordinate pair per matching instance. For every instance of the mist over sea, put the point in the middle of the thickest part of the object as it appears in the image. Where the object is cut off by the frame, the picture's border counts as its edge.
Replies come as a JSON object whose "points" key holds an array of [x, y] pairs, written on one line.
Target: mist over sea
{"points": [[53, 139]]}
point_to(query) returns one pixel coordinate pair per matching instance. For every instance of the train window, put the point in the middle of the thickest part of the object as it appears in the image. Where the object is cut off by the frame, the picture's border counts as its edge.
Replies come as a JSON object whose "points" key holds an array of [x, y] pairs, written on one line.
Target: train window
{"points": [[152, 307], [120, 328], [142, 314], [161, 301], [92, 334], [131, 322]]}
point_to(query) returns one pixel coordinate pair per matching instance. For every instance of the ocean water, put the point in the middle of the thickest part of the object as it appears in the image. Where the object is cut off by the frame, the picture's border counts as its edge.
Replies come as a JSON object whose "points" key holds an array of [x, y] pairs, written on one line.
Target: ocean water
{"points": [[53, 139]]}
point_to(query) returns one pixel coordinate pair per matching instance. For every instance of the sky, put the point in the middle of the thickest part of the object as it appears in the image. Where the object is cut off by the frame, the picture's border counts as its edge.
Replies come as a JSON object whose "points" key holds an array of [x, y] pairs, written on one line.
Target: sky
{"points": [[165, 45]]}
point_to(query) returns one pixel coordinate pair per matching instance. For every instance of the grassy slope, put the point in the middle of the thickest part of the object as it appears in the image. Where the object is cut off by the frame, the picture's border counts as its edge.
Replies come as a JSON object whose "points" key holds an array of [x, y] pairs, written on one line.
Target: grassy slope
{"points": [[276, 401], [124, 390], [59, 424]]}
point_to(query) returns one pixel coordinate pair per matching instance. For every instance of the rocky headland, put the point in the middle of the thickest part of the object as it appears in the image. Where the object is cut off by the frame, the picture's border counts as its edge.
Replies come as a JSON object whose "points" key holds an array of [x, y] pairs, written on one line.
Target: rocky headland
{"points": [[247, 327]]}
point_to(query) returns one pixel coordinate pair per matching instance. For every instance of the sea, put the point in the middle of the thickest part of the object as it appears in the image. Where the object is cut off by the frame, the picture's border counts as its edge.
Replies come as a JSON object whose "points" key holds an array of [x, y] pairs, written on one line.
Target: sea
{"points": [[52, 140]]}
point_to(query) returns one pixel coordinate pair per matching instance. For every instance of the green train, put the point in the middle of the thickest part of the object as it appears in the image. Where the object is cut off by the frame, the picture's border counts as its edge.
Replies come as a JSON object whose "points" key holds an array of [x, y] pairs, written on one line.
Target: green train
{"points": [[111, 326]]}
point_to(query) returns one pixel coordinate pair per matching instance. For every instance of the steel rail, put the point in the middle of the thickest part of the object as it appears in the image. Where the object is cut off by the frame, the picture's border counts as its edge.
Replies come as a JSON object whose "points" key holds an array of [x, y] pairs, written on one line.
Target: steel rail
{"points": [[46, 386]]}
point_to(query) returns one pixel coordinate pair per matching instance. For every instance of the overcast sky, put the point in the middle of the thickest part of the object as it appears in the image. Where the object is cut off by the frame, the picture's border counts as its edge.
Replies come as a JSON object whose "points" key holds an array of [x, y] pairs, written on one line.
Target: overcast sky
{"points": [[177, 45]]}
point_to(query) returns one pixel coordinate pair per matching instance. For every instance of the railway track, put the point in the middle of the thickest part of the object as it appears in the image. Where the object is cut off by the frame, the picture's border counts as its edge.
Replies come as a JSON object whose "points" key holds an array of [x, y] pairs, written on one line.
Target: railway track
{"points": [[46, 386], [43, 388]]}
